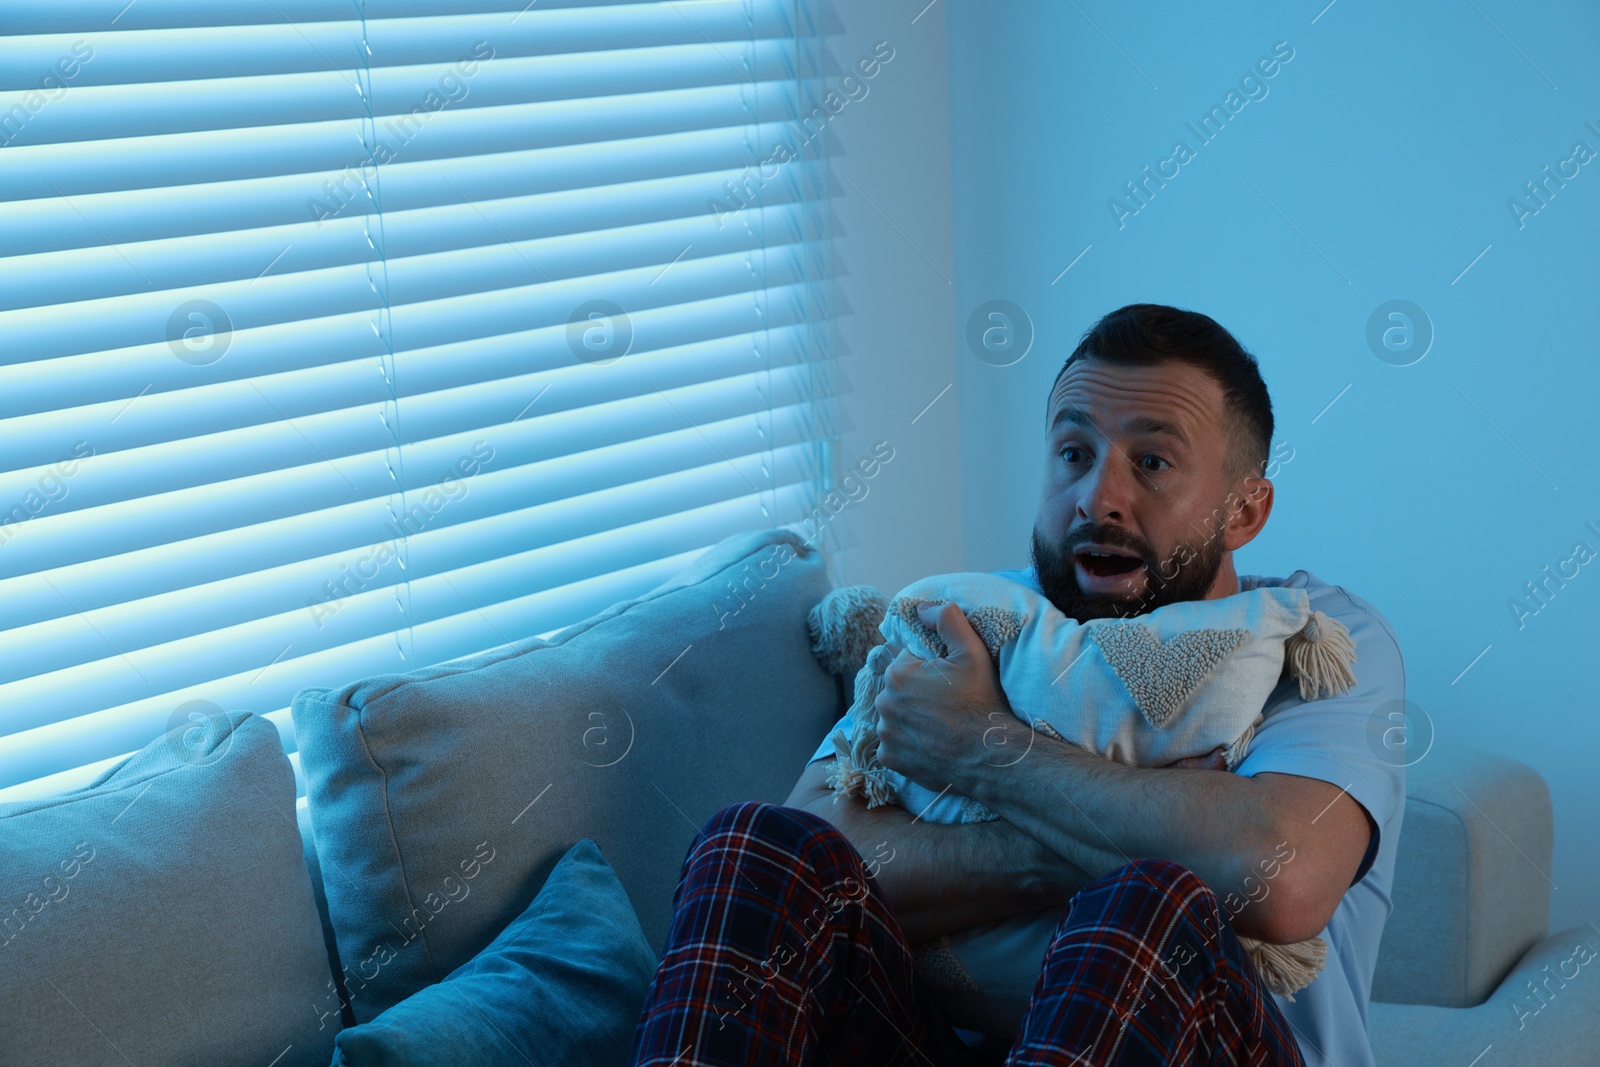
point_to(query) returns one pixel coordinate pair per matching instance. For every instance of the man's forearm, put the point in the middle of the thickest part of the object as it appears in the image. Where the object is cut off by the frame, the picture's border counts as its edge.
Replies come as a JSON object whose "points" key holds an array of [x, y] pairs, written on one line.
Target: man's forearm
{"points": [[942, 877], [1098, 814], [936, 723]]}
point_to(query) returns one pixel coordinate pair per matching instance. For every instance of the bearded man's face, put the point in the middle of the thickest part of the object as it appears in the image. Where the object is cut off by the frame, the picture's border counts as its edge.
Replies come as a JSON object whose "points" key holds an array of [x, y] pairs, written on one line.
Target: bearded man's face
{"points": [[1137, 510]]}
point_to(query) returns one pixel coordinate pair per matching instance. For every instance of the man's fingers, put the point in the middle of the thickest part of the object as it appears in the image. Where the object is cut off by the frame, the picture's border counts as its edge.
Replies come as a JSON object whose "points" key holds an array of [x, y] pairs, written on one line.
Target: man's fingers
{"points": [[951, 624], [903, 660]]}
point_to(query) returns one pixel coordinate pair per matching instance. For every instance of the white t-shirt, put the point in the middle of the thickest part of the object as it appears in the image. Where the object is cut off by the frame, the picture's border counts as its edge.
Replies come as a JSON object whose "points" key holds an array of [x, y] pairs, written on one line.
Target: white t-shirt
{"points": [[1336, 739]]}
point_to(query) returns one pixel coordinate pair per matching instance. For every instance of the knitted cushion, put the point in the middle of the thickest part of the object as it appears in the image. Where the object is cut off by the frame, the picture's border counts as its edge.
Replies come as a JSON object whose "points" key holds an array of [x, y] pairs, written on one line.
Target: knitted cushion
{"points": [[1144, 691]]}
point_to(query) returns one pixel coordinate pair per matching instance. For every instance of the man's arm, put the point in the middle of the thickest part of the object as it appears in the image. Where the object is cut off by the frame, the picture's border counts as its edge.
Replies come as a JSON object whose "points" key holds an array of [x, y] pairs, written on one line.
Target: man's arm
{"points": [[1097, 815], [1278, 849], [942, 877]]}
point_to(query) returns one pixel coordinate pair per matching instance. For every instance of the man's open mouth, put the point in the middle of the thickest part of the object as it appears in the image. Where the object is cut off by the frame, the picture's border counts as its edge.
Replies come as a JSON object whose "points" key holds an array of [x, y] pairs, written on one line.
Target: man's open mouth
{"points": [[1105, 564]]}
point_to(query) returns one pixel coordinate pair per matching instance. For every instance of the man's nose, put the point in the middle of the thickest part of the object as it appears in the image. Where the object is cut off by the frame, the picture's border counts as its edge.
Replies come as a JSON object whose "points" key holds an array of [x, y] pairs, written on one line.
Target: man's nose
{"points": [[1104, 492]]}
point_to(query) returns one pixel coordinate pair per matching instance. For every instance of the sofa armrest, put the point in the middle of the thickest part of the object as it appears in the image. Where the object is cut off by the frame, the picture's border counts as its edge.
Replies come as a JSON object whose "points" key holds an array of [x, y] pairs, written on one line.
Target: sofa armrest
{"points": [[1471, 887], [1546, 1012]]}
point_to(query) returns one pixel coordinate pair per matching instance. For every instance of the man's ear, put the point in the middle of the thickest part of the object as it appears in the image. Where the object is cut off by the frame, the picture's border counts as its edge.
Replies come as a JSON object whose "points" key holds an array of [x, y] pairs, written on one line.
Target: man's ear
{"points": [[1253, 503]]}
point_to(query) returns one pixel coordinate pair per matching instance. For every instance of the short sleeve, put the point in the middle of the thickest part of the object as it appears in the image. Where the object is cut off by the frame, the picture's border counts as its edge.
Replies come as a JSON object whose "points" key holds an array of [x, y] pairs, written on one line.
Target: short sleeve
{"points": [[1338, 739], [826, 749]]}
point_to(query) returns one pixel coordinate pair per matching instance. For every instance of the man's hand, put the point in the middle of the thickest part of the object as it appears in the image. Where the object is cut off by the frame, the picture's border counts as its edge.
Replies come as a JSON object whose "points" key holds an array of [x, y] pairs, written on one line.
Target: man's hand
{"points": [[938, 718]]}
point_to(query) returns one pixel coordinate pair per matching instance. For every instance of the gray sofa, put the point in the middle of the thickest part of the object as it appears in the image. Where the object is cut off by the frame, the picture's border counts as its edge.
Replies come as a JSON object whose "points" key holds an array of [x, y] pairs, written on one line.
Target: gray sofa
{"points": [[630, 728], [1467, 934]]}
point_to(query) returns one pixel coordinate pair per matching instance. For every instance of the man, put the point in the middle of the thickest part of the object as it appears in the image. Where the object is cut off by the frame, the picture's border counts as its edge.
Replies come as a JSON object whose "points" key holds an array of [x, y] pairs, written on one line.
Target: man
{"points": [[793, 925]]}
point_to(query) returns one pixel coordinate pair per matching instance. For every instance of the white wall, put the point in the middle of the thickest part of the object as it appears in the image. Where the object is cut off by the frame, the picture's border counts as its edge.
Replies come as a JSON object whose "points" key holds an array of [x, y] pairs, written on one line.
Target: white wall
{"points": [[892, 158], [1378, 166]]}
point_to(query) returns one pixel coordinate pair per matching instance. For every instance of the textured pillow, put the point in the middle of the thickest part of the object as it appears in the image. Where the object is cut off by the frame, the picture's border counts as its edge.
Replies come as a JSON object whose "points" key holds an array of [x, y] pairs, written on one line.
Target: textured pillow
{"points": [[164, 914], [564, 984], [441, 799], [1175, 682]]}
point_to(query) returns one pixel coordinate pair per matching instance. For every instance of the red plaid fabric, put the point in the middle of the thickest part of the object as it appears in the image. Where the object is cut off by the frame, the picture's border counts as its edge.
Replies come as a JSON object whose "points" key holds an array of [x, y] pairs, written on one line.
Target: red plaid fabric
{"points": [[783, 950]]}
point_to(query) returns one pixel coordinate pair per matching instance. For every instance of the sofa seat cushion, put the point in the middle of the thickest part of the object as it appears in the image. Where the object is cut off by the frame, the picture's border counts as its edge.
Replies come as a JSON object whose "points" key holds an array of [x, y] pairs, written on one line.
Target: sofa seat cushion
{"points": [[164, 913], [1546, 1013], [441, 799]]}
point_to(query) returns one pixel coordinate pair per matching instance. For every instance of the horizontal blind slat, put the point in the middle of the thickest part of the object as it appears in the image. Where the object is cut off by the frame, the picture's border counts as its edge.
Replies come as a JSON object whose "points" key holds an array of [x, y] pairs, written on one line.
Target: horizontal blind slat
{"points": [[78, 16], [335, 145], [487, 488], [251, 315], [125, 55], [163, 414], [404, 99], [275, 268], [248, 84], [207, 491], [109, 213], [549, 576], [309, 601]]}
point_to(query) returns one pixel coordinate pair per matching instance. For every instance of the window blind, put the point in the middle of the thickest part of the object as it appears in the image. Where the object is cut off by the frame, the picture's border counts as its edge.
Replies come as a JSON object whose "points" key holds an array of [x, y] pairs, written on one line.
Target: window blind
{"points": [[340, 339]]}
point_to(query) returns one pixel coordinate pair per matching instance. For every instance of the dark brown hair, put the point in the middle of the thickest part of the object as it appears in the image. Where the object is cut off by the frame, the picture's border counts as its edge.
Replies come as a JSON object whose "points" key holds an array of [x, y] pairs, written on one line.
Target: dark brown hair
{"points": [[1143, 335]]}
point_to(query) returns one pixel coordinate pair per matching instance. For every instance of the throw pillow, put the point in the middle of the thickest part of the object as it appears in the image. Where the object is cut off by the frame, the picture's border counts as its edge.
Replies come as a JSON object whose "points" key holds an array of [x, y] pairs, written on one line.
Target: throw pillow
{"points": [[1175, 682], [562, 986]]}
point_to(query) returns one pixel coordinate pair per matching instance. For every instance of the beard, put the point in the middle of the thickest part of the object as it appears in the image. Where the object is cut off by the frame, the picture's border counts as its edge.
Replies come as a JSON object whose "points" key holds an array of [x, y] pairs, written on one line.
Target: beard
{"points": [[1057, 573]]}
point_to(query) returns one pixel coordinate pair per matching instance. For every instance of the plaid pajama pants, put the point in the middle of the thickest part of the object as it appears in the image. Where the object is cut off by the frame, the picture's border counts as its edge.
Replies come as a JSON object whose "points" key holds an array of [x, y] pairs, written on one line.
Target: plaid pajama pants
{"points": [[783, 950]]}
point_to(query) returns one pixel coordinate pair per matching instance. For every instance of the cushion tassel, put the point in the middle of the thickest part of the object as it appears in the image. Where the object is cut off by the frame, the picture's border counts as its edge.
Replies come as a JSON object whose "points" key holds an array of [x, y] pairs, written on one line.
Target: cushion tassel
{"points": [[856, 771], [1286, 969], [1320, 656], [844, 627]]}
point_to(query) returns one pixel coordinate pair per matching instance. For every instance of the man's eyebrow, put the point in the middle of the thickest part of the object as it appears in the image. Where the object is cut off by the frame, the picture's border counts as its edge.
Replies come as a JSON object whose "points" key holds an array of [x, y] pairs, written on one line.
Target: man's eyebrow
{"points": [[1068, 413], [1146, 424]]}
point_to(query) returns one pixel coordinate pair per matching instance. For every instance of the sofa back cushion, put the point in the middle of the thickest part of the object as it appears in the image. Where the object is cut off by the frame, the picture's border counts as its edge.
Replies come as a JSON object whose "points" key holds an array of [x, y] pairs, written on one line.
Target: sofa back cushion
{"points": [[441, 799], [164, 913]]}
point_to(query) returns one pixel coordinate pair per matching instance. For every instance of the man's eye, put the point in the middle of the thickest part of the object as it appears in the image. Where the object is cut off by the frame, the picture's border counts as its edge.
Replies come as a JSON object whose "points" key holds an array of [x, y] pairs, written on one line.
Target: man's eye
{"points": [[1070, 448], [1158, 459]]}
